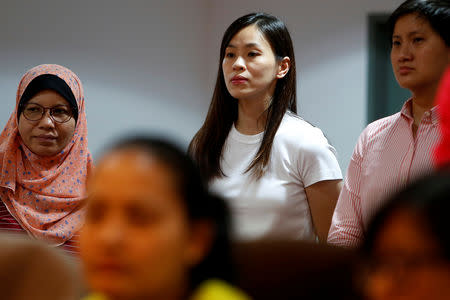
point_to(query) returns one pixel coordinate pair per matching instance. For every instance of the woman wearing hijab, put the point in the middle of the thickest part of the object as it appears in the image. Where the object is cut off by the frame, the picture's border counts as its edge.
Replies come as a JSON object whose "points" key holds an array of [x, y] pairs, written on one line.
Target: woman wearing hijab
{"points": [[44, 157]]}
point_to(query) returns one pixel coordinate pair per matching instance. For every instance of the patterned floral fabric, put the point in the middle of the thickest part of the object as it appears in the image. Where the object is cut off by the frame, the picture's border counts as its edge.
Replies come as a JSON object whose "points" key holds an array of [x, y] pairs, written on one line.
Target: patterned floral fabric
{"points": [[45, 194]]}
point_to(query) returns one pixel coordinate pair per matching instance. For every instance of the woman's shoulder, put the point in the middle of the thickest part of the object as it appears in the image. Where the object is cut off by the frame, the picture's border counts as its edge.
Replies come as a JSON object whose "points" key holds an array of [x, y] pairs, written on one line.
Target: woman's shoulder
{"points": [[294, 130], [383, 122], [378, 128]]}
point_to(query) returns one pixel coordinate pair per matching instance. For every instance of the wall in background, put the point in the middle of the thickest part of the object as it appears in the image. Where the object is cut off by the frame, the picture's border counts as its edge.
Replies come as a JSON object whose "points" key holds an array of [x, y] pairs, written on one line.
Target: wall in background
{"points": [[141, 62], [151, 65]]}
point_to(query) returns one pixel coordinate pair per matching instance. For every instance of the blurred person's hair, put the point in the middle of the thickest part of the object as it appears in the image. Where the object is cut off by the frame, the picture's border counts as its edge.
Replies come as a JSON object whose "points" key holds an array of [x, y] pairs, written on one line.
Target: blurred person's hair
{"points": [[200, 205], [207, 145], [436, 12], [428, 199]]}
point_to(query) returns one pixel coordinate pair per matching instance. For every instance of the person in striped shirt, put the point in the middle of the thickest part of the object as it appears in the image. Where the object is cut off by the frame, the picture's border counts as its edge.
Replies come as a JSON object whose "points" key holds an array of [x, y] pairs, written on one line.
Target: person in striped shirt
{"points": [[393, 151], [44, 158]]}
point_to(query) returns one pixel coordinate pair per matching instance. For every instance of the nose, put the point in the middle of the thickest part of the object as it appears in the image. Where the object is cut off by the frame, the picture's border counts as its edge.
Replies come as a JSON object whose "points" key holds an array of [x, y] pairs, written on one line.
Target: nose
{"points": [[46, 121], [239, 64], [405, 53], [111, 233]]}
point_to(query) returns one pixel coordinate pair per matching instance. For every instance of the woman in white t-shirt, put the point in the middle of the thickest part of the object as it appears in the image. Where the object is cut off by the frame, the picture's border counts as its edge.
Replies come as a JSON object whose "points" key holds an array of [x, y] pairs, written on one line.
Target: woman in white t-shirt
{"points": [[278, 172]]}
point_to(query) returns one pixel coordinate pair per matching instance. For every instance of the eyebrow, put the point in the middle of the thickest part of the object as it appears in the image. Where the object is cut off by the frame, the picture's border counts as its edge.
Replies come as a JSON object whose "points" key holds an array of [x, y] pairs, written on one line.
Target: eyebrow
{"points": [[409, 34], [63, 104], [249, 45]]}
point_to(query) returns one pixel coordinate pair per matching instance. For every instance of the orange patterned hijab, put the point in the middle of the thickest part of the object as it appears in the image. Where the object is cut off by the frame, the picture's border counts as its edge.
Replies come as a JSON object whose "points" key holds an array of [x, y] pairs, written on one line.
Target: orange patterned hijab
{"points": [[45, 194]]}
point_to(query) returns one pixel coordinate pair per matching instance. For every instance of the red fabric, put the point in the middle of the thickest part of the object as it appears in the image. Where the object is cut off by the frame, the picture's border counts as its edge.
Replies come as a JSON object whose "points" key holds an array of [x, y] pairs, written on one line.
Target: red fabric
{"points": [[442, 151]]}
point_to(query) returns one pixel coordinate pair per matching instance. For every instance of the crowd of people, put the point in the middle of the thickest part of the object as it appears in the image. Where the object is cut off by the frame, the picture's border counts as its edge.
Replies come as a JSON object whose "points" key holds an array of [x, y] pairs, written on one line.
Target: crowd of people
{"points": [[152, 221]]}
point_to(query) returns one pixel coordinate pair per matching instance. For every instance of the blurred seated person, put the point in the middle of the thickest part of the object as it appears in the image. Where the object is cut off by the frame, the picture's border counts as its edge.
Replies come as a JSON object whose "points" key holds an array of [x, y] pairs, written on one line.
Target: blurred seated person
{"points": [[408, 244], [44, 158], [152, 230]]}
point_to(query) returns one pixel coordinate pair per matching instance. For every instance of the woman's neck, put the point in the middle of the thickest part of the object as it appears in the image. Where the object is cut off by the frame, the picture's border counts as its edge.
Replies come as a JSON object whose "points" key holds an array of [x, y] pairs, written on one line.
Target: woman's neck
{"points": [[422, 101], [252, 116]]}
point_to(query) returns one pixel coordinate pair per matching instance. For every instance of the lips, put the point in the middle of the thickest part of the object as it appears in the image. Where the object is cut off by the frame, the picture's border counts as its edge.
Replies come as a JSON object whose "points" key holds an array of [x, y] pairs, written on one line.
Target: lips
{"points": [[238, 79], [111, 267], [46, 138], [405, 70]]}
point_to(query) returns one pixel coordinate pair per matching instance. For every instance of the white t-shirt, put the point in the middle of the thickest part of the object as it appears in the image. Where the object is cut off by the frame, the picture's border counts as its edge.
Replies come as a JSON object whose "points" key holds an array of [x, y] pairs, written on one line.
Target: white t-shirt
{"points": [[275, 206]]}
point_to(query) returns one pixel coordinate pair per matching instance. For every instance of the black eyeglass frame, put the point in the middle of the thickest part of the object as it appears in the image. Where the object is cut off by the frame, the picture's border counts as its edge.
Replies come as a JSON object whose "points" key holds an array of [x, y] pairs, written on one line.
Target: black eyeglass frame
{"points": [[44, 110]]}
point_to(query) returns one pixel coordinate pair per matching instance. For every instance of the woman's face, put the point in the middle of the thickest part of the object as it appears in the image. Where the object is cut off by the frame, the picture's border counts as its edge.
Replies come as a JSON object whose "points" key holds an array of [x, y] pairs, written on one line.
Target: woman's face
{"points": [[137, 241], [250, 68], [419, 55], [407, 262], [45, 137]]}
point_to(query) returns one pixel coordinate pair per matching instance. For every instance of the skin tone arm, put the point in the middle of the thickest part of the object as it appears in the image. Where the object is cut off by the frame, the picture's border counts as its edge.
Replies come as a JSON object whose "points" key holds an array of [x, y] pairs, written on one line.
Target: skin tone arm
{"points": [[322, 197]]}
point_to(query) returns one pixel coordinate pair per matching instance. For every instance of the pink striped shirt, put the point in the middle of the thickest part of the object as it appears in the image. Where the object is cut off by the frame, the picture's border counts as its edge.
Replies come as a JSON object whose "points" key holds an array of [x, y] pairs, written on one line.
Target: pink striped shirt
{"points": [[385, 159]]}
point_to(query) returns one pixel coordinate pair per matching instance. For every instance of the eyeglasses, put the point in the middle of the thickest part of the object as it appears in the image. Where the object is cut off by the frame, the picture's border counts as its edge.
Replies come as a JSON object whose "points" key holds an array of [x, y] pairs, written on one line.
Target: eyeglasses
{"points": [[35, 112]]}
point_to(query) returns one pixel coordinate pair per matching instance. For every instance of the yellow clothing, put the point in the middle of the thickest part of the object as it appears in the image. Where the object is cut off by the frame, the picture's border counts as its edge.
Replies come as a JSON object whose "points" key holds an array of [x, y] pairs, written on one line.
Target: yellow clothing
{"points": [[95, 297], [218, 290], [209, 290]]}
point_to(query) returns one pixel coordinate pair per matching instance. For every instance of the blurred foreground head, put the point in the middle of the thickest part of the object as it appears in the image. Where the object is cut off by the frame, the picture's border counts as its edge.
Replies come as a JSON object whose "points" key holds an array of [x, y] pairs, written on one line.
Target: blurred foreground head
{"points": [[152, 230], [29, 269], [408, 244]]}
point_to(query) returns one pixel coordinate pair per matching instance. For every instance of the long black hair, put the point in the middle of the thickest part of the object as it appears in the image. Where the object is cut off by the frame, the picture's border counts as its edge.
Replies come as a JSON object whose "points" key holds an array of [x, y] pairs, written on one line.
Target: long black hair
{"points": [[199, 203], [207, 145]]}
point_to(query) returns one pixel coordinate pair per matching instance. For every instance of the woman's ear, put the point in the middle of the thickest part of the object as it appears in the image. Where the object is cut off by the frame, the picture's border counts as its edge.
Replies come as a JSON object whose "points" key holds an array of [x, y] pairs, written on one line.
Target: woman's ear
{"points": [[283, 67]]}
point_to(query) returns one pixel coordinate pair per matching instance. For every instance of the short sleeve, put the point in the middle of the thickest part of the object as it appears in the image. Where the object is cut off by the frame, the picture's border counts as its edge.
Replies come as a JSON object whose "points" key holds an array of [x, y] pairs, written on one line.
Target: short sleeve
{"points": [[317, 161]]}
